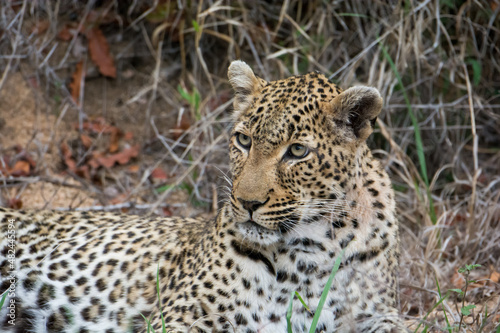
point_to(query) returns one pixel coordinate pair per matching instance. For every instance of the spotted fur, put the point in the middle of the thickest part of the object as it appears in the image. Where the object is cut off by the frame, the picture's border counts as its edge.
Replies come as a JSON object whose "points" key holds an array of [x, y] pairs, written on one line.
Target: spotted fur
{"points": [[305, 190]]}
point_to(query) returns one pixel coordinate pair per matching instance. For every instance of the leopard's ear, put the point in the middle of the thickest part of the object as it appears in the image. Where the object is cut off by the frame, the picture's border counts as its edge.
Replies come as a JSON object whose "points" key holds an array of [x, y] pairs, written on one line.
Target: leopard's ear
{"points": [[244, 83], [358, 108]]}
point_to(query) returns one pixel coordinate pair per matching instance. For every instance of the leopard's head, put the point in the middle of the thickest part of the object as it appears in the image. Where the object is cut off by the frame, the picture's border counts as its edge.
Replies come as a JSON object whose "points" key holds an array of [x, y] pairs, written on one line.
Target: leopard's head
{"points": [[293, 149]]}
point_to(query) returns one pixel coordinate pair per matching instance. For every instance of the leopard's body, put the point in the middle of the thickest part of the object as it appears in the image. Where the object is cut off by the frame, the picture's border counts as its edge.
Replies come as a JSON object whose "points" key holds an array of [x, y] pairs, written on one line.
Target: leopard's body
{"points": [[305, 190]]}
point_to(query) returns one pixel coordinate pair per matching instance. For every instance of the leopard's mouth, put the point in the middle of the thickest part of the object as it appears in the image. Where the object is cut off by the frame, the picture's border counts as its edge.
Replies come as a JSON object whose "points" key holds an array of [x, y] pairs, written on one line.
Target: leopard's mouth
{"points": [[256, 233], [251, 224]]}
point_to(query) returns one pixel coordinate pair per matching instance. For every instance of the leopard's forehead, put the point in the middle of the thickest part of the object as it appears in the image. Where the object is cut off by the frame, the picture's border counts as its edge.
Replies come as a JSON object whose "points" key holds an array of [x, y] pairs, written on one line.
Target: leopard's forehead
{"points": [[283, 109]]}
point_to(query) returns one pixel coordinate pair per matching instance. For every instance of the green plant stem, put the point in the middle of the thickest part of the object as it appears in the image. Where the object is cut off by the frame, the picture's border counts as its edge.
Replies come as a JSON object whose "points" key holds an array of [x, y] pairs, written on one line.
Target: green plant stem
{"points": [[444, 311], [463, 298], [418, 136], [322, 300]]}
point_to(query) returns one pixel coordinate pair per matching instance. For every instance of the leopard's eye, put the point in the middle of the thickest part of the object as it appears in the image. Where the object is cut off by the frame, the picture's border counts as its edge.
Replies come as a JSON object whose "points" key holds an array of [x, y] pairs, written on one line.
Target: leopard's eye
{"points": [[298, 151], [244, 140]]}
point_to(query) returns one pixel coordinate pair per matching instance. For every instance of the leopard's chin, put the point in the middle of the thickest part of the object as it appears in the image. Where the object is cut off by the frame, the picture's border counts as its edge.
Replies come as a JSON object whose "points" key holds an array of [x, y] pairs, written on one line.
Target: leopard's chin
{"points": [[255, 233]]}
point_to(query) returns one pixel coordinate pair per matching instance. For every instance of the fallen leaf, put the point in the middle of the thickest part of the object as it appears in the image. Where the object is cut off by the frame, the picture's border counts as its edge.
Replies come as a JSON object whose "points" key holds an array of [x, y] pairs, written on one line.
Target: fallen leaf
{"points": [[68, 157], [15, 203], [183, 125], [99, 52], [86, 140], [105, 161], [128, 136], [96, 126], [127, 154], [167, 212], [30, 160], [76, 82], [18, 149], [119, 198], [66, 33], [483, 179], [40, 27], [114, 140], [134, 168], [121, 158], [495, 277], [484, 280], [458, 280], [83, 172], [94, 163], [20, 169], [158, 175]]}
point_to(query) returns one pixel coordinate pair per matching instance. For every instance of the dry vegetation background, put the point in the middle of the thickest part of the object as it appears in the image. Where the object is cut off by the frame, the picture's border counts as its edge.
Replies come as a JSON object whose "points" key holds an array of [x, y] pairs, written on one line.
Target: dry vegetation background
{"points": [[125, 105]]}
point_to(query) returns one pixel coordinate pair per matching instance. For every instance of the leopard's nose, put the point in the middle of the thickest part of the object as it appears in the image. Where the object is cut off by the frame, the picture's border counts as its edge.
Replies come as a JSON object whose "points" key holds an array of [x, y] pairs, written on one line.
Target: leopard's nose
{"points": [[252, 206]]}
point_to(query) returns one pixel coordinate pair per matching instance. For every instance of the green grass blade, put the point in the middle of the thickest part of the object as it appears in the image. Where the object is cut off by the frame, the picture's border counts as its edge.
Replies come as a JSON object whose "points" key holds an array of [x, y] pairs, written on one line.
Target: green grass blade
{"points": [[476, 71], [429, 312], [444, 312], [196, 26], [3, 298], [150, 328], [289, 315], [354, 15], [418, 136], [322, 300], [302, 301], [184, 94]]}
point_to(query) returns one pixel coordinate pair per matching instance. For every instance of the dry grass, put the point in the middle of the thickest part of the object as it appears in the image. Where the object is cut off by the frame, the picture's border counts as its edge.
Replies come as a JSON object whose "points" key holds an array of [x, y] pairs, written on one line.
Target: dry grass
{"points": [[435, 62]]}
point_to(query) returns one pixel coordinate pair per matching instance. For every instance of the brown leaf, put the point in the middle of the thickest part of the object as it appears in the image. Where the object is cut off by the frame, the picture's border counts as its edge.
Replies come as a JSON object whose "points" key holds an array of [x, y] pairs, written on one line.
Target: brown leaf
{"points": [[114, 140], [495, 277], [119, 198], [134, 168], [18, 149], [128, 136], [66, 33], [181, 127], [167, 212], [99, 52], [121, 158], [83, 172], [40, 27], [97, 126], [68, 157], [483, 281], [158, 174], [76, 82], [86, 140], [94, 160], [30, 160], [65, 150], [106, 161], [458, 280], [15, 203], [21, 168], [127, 154]]}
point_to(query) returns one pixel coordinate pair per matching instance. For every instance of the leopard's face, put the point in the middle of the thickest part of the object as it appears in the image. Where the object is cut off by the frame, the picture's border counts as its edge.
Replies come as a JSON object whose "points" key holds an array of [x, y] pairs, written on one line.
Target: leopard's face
{"points": [[293, 150]]}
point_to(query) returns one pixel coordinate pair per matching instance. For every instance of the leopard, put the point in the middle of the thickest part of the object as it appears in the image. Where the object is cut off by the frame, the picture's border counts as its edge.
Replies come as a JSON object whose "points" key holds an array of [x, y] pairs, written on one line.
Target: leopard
{"points": [[308, 232]]}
